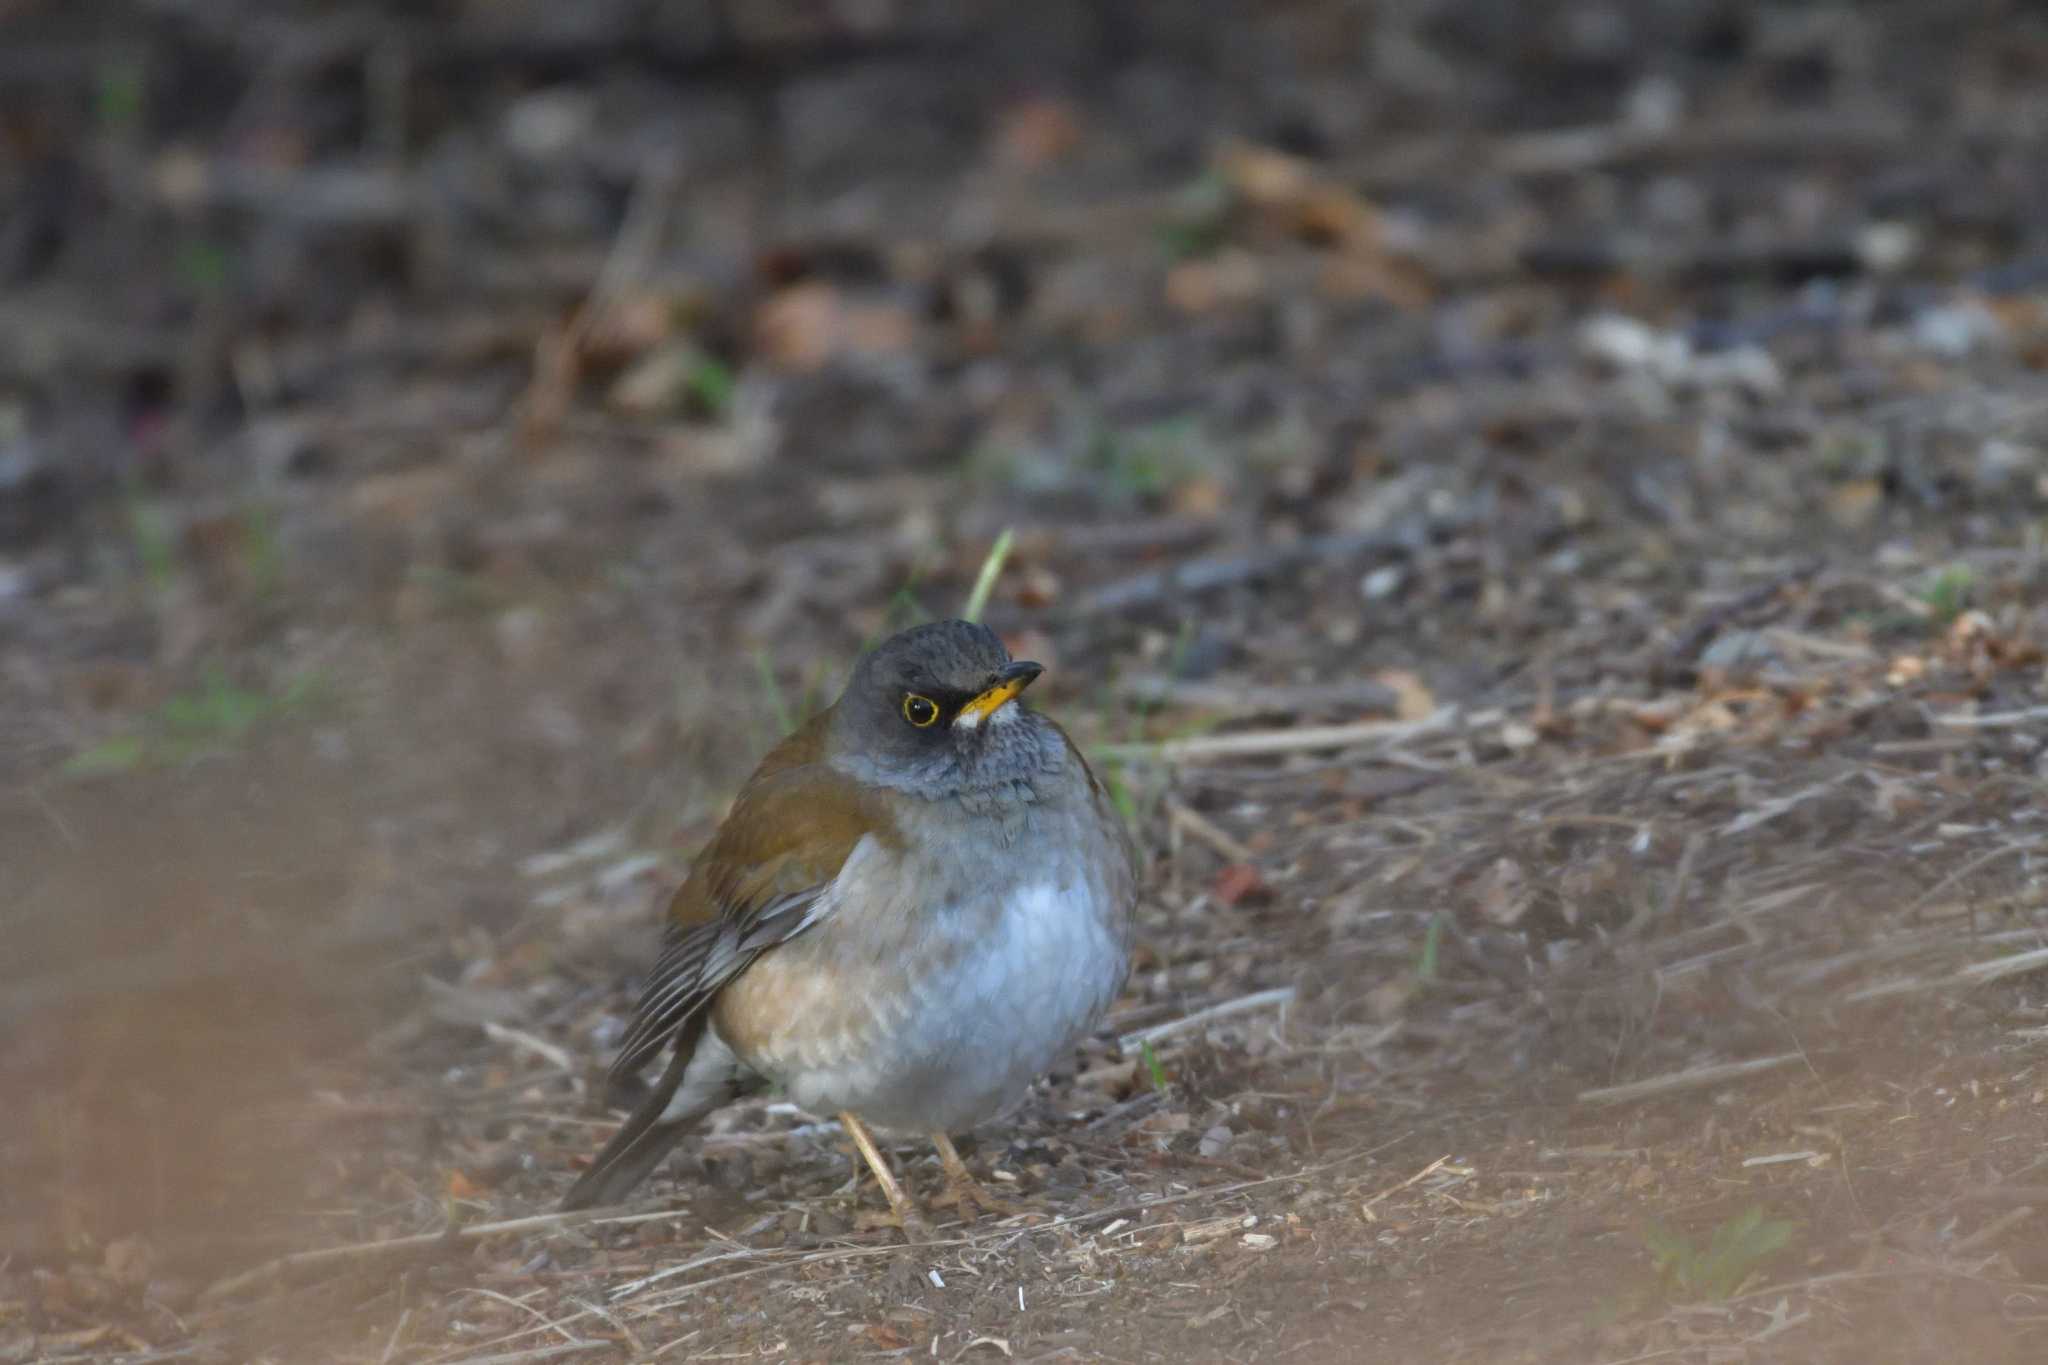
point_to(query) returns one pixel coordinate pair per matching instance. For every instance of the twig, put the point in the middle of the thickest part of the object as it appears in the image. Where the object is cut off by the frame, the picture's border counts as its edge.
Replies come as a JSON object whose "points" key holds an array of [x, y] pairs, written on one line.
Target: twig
{"points": [[1780, 1158], [1244, 1004], [398, 1246], [1427, 1171], [1999, 968], [1209, 832], [803, 1132], [1678, 1082], [632, 1287], [1051, 1225], [334, 197], [1686, 649], [1976, 864], [780, 1260], [519, 1040], [570, 1348], [2005, 1194], [1995, 719], [391, 1342], [1301, 739], [1975, 974], [1223, 571], [544, 1321], [1256, 698], [1992, 1231], [559, 358], [632, 1337]]}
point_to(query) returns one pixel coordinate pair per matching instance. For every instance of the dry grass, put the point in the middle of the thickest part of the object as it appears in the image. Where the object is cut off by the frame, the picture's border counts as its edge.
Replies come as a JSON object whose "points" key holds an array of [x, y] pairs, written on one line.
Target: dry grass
{"points": [[1588, 766]]}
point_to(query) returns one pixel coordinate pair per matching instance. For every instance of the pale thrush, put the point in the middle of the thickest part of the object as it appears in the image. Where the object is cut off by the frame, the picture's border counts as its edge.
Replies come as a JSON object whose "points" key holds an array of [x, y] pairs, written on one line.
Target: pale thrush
{"points": [[920, 900]]}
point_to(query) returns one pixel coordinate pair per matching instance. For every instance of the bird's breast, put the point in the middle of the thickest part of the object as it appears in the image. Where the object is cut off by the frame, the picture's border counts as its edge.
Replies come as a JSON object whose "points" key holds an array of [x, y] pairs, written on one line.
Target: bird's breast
{"points": [[949, 976]]}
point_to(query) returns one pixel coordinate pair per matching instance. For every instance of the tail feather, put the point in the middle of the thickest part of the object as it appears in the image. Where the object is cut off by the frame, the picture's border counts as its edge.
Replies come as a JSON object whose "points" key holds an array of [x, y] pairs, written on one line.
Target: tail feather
{"points": [[654, 1127]]}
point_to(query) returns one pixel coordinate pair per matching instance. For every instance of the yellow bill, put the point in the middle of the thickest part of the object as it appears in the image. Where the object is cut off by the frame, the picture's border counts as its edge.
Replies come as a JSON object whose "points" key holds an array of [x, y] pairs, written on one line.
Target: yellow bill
{"points": [[1011, 679]]}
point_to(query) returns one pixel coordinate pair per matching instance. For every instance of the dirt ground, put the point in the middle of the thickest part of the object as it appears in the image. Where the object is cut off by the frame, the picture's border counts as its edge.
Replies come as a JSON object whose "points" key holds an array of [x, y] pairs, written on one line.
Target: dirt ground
{"points": [[1537, 508]]}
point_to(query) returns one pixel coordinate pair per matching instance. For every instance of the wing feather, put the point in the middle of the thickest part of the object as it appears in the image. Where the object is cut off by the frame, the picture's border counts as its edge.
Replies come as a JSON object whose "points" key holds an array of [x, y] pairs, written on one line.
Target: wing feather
{"points": [[766, 877]]}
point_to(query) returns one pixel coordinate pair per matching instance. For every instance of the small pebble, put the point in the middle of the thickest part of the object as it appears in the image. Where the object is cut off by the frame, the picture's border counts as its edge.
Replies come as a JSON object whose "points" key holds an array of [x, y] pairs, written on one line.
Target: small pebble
{"points": [[1382, 582]]}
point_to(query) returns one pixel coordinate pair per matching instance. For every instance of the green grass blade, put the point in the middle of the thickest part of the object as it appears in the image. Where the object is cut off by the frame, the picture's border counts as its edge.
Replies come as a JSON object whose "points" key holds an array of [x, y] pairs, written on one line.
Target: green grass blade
{"points": [[985, 581]]}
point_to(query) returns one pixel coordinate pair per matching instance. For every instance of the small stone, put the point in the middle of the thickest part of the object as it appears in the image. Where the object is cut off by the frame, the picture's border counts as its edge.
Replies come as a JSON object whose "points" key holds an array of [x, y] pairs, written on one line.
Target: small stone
{"points": [[1955, 331], [2000, 465], [1628, 344], [548, 124], [520, 632], [1739, 651], [1887, 247], [1517, 736], [1382, 582]]}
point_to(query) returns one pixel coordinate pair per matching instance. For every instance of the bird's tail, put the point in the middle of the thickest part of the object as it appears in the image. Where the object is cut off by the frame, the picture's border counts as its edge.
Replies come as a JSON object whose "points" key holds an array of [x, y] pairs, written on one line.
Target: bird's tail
{"points": [[657, 1122]]}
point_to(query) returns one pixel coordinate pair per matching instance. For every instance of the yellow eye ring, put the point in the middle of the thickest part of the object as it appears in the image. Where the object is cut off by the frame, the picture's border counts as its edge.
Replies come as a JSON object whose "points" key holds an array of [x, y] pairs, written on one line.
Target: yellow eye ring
{"points": [[922, 712]]}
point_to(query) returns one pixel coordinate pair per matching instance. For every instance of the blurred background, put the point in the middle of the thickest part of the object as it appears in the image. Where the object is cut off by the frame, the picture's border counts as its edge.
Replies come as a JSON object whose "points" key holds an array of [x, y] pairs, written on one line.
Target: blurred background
{"points": [[443, 444]]}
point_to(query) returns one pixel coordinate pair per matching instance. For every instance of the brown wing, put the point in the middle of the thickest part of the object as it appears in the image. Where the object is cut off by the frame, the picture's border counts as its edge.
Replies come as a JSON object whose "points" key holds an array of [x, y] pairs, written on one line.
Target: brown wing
{"points": [[757, 884]]}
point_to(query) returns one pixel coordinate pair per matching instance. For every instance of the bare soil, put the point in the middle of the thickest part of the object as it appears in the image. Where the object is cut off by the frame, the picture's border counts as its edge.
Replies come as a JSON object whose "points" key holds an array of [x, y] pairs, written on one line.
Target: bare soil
{"points": [[1537, 509]]}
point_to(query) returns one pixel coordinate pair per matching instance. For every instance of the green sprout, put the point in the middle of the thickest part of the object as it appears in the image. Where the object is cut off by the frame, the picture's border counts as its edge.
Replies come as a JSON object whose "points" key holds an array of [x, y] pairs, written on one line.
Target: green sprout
{"points": [[1735, 1251], [1153, 1068], [985, 581]]}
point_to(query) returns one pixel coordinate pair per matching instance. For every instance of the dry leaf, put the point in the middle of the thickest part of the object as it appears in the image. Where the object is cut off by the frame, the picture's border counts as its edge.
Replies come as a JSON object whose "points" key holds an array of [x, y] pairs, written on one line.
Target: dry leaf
{"points": [[129, 1260], [799, 326], [1412, 698], [1232, 276], [1264, 177], [1503, 892], [1037, 587], [1388, 999], [1037, 132], [1517, 735], [1239, 882], [1853, 504]]}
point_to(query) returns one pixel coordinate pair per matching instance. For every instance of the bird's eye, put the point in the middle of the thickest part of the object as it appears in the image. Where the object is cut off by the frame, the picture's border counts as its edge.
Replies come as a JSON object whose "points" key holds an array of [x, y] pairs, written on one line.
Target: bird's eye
{"points": [[922, 712]]}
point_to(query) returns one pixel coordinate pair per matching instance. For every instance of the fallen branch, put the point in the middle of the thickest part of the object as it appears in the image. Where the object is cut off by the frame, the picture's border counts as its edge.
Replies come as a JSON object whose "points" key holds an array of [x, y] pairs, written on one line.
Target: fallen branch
{"points": [[1209, 832], [1244, 1004], [1679, 1082], [1677, 662], [1154, 689], [1224, 571], [519, 1040], [1992, 1231], [567, 1348], [1976, 974], [357, 1252], [1300, 739], [1975, 865], [783, 1260], [1995, 719], [1427, 1171]]}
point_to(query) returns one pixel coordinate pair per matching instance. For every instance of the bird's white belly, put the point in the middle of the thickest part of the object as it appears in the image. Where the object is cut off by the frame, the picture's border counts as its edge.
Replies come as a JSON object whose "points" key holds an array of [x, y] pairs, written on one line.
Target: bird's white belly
{"points": [[1005, 989]]}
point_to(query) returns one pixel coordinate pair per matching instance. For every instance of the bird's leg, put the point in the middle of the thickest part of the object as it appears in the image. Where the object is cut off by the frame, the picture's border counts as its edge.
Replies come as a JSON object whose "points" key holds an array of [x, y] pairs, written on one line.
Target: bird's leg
{"points": [[963, 1191], [903, 1213]]}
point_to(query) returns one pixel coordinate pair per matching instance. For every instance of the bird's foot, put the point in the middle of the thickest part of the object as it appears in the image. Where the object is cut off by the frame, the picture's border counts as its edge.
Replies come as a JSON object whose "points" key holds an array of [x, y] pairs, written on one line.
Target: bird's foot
{"points": [[968, 1196], [963, 1192], [905, 1219]]}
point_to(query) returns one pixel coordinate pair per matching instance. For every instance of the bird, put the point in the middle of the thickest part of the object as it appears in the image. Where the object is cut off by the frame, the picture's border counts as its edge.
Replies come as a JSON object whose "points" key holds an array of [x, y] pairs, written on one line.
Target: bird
{"points": [[916, 904]]}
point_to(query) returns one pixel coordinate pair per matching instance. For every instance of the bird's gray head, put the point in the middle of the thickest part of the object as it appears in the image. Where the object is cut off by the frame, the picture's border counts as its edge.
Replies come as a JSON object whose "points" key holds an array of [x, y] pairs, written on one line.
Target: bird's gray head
{"points": [[935, 711]]}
